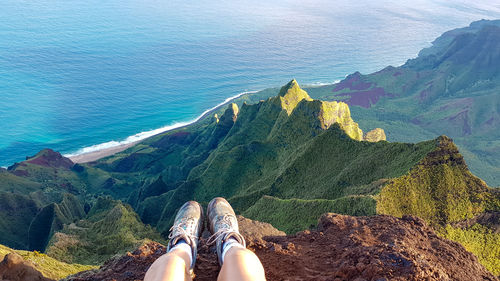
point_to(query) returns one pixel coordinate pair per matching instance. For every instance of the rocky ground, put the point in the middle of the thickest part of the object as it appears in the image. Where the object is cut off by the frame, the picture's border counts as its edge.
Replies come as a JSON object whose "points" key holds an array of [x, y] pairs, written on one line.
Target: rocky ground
{"points": [[342, 248], [14, 268]]}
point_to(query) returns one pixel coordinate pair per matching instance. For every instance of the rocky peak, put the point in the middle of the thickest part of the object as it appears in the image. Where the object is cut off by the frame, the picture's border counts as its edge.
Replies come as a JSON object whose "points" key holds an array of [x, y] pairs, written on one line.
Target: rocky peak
{"points": [[234, 110], [446, 152], [50, 158], [375, 135], [290, 95], [326, 112], [338, 112], [230, 115]]}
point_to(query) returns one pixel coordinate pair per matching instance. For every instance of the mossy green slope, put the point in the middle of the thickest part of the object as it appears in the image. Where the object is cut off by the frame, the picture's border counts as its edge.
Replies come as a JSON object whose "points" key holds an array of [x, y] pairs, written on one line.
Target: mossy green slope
{"points": [[49, 267], [110, 228], [16, 213], [442, 191], [293, 215], [52, 218], [479, 240], [332, 163]]}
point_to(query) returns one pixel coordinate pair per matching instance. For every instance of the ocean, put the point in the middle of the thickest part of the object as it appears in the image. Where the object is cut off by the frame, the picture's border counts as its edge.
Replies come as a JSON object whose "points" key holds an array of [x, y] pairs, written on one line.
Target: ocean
{"points": [[80, 75]]}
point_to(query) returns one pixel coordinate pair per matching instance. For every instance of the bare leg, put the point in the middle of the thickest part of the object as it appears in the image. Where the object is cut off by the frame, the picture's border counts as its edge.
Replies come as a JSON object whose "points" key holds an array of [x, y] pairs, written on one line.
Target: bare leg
{"points": [[241, 264], [176, 264], [173, 266]]}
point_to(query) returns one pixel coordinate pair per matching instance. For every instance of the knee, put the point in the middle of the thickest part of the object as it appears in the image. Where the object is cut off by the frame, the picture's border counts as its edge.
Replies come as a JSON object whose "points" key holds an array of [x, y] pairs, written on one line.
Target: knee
{"points": [[243, 253], [165, 266], [245, 258]]}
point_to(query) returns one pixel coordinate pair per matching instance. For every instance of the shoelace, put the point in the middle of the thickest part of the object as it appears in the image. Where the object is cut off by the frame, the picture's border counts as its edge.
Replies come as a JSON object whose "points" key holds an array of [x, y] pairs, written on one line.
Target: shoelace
{"points": [[223, 230], [184, 227]]}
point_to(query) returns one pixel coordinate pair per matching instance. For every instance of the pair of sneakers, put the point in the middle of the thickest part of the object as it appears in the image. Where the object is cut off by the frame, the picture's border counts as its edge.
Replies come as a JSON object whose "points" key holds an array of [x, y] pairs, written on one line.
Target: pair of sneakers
{"points": [[222, 223]]}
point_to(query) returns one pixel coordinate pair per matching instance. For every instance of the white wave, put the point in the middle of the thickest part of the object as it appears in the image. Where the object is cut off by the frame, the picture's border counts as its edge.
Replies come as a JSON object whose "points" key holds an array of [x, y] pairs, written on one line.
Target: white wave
{"points": [[319, 84], [144, 135]]}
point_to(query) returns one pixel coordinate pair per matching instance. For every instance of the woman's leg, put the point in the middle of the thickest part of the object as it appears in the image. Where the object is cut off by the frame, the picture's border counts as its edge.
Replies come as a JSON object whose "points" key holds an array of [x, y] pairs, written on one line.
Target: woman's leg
{"points": [[241, 264], [172, 266], [178, 263], [238, 263]]}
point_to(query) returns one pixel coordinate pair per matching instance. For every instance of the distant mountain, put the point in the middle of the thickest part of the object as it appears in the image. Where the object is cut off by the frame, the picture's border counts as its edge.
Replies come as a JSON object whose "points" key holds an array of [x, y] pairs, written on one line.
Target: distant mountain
{"points": [[451, 88]]}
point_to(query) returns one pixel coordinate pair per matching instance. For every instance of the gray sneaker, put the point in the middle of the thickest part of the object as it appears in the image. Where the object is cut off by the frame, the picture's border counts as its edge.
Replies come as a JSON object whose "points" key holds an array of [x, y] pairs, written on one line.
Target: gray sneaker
{"points": [[223, 224], [188, 225]]}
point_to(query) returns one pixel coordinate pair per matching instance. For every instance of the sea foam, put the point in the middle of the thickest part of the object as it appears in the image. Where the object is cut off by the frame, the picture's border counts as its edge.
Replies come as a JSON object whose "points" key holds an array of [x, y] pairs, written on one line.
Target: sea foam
{"points": [[319, 84], [144, 135]]}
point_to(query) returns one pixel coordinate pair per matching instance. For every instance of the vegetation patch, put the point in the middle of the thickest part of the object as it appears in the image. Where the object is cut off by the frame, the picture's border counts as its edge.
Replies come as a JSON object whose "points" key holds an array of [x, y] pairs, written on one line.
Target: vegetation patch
{"points": [[293, 215], [110, 228], [479, 240], [48, 266]]}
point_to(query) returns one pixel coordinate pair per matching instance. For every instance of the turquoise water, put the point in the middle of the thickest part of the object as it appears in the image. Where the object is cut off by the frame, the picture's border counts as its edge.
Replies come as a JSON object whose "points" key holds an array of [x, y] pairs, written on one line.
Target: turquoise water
{"points": [[78, 73]]}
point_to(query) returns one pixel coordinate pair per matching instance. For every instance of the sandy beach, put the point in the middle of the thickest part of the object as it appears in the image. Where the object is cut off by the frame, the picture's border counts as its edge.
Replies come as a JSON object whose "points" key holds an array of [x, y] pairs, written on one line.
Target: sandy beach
{"points": [[96, 155]]}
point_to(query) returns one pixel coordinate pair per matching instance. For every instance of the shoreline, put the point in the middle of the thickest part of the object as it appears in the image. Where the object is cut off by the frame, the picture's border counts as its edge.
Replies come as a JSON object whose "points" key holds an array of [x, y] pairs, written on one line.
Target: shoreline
{"points": [[99, 151], [98, 154]]}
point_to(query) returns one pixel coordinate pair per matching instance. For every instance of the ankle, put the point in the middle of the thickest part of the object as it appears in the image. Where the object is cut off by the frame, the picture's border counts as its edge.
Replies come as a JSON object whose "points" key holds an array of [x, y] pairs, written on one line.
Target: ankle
{"points": [[229, 244], [182, 247]]}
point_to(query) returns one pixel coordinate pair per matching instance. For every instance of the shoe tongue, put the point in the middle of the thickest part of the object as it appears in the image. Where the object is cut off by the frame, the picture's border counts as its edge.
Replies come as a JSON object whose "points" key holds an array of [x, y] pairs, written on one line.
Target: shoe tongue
{"points": [[180, 237]]}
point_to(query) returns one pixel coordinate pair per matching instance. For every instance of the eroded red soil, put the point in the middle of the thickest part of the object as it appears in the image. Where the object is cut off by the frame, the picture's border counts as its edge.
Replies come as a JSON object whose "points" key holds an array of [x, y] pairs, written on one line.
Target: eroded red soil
{"points": [[343, 248]]}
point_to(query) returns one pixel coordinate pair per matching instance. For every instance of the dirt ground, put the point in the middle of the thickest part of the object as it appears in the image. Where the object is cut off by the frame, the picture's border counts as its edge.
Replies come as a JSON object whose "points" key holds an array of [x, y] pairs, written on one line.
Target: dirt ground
{"points": [[342, 248]]}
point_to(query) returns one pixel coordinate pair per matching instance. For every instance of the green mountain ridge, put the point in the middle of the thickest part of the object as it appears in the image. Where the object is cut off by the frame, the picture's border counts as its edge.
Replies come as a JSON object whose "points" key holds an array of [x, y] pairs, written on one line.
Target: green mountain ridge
{"points": [[451, 88], [278, 156], [52, 218], [110, 228]]}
